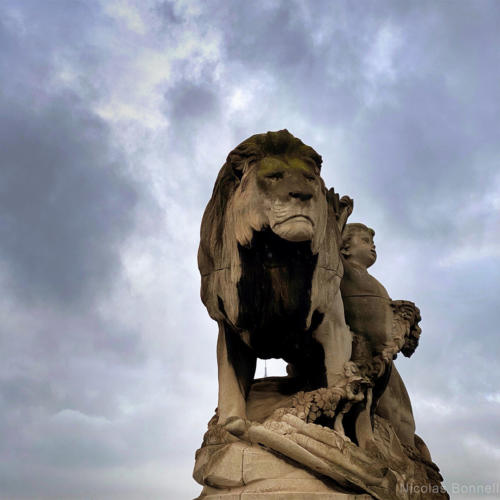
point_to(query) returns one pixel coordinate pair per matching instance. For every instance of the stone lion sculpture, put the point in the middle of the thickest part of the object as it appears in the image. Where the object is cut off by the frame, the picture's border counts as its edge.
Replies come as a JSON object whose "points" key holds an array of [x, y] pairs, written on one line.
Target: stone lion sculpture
{"points": [[271, 269], [272, 259]]}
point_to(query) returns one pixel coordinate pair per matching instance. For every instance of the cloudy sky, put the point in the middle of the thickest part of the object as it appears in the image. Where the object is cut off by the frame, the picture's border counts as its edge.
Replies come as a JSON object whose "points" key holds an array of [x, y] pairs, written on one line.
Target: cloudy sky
{"points": [[115, 117]]}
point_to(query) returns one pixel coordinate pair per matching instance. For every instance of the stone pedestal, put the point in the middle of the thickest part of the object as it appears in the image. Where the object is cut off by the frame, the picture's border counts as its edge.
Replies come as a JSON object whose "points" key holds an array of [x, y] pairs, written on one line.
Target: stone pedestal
{"points": [[248, 472], [285, 496]]}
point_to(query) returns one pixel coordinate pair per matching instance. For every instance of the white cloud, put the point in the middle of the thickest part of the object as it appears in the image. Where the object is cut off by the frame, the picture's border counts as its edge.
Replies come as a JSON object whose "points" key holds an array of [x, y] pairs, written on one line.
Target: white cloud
{"points": [[379, 64], [380, 58], [493, 397], [124, 11]]}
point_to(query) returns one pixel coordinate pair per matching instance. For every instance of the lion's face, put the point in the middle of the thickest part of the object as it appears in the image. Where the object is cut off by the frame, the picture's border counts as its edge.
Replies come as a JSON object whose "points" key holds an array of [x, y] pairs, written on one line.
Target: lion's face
{"points": [[285, 194], [269, 209]]}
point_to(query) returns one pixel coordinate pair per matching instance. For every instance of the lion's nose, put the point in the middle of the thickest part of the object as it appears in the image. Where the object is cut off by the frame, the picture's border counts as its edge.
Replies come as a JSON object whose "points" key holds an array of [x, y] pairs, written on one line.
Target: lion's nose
{"points": [[301, 196]]}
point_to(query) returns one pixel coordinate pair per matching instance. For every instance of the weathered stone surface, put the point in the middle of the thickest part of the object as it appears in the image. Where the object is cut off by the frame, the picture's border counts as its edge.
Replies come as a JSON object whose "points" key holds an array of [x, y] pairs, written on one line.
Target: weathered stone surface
{"points": [[285, 276], [255, 470], [285, 495]]}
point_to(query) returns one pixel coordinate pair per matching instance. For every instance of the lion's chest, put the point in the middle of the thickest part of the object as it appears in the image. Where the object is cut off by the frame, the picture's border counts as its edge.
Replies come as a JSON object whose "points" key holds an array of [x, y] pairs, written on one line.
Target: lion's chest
{"points": [[275, 298]]}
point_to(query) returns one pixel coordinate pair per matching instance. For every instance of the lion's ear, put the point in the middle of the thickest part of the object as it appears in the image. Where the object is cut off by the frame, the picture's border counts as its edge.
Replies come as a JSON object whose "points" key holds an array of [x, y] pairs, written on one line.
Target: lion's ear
{"points": [[243, 157], [242, 168], [345, 252], [238, 171]]}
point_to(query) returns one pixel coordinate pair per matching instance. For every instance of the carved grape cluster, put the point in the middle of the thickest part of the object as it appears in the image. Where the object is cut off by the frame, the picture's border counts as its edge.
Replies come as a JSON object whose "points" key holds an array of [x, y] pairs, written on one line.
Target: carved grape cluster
{"points": [[311, 405]]}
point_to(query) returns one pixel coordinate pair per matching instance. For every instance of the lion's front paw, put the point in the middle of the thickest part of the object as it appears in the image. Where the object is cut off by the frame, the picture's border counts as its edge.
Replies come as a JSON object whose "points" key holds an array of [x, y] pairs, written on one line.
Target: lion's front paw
{"points": [[236, 426]]}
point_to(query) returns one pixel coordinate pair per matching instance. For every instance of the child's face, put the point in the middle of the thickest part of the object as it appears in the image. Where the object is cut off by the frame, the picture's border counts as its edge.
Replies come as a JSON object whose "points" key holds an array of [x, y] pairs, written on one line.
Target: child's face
{"points": [[362, 248]]}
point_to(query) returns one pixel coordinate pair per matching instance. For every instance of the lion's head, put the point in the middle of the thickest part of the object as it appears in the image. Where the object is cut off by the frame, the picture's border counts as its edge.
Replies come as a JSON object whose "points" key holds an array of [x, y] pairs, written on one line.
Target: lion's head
{"points": [[270, 182]]}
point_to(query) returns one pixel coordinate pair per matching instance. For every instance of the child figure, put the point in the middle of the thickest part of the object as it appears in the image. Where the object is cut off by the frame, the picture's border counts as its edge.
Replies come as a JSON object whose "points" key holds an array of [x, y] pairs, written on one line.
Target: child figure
{"points": [[366, 302], [380, 330]]}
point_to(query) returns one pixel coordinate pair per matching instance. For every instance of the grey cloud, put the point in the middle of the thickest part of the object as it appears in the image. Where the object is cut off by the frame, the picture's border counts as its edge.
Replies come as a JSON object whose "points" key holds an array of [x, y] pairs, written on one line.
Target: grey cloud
{"points": [[319, 50], [279, 40], [427, 143], [169, 12], [191, 101], [67, 206], [59, 362], [275, 27], [65, 202], [458, 351], [461, 453], [192, 104]]}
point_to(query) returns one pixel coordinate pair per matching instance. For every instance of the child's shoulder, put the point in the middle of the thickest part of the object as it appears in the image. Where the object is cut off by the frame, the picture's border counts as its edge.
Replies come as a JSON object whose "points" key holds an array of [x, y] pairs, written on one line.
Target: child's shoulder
{"points": [[358, 281]]}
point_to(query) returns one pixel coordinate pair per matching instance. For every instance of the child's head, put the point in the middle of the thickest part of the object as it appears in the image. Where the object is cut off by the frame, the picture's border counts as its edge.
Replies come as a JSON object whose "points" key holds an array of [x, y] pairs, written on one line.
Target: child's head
{"points": [[357, 244]]}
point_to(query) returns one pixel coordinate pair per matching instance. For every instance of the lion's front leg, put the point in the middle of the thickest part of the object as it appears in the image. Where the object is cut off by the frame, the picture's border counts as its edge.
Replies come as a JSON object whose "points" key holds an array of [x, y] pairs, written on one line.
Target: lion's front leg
{"points": [[336, 339], [236, 369]]}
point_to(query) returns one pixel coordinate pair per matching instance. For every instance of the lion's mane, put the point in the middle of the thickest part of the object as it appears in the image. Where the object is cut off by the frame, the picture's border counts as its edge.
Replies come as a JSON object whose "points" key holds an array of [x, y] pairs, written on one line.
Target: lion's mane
{"points": [[218, 256]]}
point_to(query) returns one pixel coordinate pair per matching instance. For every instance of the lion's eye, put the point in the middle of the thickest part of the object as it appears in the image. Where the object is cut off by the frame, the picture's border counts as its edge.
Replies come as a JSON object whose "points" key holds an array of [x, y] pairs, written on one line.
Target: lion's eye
{"points": [[275, 176], [310, 177]]}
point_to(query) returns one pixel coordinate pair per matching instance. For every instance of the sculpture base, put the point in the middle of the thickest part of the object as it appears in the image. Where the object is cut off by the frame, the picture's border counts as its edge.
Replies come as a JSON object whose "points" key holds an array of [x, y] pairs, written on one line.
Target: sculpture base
{"points": [[249, 472], [277, 455], [285, 495]]}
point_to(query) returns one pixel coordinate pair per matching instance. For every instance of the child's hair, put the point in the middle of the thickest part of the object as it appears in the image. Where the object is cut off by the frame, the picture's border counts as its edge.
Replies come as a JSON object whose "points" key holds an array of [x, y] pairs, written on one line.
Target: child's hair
{"points": [[350, 230]]}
